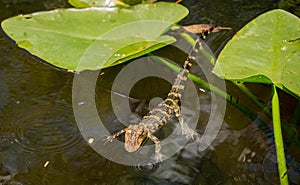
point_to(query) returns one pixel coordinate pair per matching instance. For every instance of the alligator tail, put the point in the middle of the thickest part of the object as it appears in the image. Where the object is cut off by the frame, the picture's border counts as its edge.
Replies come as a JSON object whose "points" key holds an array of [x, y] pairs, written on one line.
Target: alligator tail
{"points": [[180, 81]]}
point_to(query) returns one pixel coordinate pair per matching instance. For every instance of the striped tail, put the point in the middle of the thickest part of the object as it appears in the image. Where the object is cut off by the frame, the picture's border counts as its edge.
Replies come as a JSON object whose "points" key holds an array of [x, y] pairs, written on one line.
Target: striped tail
{"points": [[180, 81]]}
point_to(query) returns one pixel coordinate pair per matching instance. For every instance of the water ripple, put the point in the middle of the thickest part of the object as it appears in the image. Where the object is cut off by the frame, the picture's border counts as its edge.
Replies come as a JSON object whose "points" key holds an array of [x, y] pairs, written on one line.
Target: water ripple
{"points": [[48, 128], [146, 168]]}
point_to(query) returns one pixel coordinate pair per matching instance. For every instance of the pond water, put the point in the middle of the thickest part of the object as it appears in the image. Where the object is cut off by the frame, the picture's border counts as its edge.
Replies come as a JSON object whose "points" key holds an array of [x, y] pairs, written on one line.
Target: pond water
{"points": [[40, 142]]}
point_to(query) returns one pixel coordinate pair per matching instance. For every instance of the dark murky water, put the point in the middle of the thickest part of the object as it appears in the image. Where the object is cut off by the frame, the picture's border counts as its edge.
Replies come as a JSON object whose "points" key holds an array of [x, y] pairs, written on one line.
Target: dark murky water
{"points": [[40, 142]]}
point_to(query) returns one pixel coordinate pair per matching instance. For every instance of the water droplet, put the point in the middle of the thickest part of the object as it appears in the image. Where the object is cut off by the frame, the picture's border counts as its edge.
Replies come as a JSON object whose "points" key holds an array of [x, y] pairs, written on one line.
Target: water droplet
{"points": [[283, 48], [123, 55]]}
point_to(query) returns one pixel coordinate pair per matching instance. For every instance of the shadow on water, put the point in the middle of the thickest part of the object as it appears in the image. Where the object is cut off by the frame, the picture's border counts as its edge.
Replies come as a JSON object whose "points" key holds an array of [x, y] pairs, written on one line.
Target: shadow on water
{"points": [[41, 144]]}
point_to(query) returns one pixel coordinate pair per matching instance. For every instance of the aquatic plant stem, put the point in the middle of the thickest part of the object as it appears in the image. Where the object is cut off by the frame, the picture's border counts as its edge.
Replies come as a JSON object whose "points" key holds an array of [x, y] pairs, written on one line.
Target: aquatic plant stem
{"points": [[283, 176], [275, 114], [252, 97], [220, 93], [290, 130]]}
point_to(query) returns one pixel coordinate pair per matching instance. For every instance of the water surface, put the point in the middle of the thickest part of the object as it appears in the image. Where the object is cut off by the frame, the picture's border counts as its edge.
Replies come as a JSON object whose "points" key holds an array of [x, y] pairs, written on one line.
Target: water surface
{"points": [[40, 142]]}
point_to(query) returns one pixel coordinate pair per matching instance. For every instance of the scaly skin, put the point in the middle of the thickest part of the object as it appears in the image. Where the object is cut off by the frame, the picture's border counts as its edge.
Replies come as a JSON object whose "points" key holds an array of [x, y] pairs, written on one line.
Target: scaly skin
{"points": [[160, 115]]}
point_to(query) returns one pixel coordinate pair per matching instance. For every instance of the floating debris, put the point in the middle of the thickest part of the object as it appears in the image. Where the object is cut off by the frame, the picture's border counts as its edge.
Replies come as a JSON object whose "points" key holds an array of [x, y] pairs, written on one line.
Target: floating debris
{"points": [[46, 164], [91, 140]]}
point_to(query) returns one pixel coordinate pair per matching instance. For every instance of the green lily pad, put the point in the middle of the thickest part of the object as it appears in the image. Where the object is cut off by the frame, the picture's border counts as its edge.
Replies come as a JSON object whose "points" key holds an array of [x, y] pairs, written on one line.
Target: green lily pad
{"points": [[87, 3], [99, 3], [94, 38], [266, 50], [90, 3]]}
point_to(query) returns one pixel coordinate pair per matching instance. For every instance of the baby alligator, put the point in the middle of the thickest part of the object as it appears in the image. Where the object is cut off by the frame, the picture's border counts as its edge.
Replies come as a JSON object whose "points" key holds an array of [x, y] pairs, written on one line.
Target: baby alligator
{"points": [[159, 116]]}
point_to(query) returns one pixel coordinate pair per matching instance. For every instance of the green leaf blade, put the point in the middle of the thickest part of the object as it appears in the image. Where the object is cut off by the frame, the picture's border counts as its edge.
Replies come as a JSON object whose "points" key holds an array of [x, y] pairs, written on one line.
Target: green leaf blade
{"points": [[81, 39], [263, 49]]}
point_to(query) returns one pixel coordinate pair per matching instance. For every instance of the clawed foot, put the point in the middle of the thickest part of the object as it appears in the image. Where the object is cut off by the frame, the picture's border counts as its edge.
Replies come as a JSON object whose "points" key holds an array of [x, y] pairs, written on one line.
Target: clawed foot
{"points": [[108, 139], [159, 157], [188, 132]]}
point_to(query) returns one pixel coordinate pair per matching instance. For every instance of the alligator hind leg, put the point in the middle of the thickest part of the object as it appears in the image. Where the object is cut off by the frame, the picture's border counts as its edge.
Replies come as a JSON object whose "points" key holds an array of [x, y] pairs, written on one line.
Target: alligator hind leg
{"points": [[185, 129]]}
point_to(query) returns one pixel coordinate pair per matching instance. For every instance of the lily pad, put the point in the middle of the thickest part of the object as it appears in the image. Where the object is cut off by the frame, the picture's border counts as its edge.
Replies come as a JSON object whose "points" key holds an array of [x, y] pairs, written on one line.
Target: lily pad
{"points": [[94, 38], [99, 3], [91, 3], [266, 50], [87, 3]]}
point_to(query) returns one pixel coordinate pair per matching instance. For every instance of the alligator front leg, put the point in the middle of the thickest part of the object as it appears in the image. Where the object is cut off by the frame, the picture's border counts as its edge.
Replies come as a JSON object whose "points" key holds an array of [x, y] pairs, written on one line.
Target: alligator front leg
{"points": [[112, 137], [158, 156]]}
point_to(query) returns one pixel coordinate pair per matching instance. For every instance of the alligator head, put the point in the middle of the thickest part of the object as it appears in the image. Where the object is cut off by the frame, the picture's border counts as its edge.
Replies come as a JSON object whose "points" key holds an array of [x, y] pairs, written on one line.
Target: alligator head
{"points": [[134, 136]]}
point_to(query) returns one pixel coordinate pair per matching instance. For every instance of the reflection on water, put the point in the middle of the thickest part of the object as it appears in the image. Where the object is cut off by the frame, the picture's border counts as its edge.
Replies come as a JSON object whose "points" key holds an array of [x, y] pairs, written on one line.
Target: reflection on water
{"points": [[40, 142]]}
